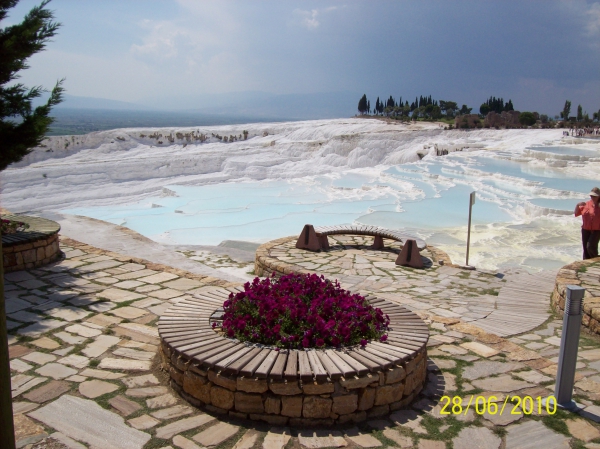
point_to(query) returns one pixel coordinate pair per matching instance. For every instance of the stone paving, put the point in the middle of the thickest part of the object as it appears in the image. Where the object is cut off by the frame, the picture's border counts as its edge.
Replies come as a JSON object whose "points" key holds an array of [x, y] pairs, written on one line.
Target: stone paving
{"points": [[492, 301], [83, 345]]}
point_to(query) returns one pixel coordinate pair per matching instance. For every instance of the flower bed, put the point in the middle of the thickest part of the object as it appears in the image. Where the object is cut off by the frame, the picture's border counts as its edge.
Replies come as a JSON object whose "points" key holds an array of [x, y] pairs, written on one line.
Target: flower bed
{"points": [[12, 227], [301, 311], [296, 387]]}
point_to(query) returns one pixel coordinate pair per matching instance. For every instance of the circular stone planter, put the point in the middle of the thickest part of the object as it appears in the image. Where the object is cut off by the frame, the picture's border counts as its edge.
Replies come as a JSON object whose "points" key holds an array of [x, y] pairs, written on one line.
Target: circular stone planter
{"points": [[316, 387], [32, 248]]}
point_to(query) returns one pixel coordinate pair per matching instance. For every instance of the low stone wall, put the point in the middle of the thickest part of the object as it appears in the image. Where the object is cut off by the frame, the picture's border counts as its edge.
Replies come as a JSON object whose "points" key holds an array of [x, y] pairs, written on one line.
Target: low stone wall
{"points": [[298, 403], [585, 273], [265, 264], [34, 247]]}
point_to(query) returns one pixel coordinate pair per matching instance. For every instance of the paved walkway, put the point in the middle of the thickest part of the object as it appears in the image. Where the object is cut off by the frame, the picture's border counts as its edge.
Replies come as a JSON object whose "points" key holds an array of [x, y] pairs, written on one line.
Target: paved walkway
{"points": [[503, 305], [122, 240], [83, 346]]}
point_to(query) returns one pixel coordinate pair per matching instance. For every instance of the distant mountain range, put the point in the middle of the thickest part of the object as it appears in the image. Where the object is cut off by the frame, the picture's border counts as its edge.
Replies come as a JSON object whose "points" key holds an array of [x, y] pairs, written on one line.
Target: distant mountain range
{"points": [[259, 105]]}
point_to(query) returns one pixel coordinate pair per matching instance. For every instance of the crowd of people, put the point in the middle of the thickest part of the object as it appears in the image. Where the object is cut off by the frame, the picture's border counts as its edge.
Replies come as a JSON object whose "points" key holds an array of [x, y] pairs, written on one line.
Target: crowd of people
{"points": [[581, 132]]}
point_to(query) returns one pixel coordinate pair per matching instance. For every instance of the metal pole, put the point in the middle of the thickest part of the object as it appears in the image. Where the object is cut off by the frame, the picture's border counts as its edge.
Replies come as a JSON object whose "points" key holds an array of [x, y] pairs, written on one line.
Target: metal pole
{"points": [[471, 202], [7, 427], [567, 357]]}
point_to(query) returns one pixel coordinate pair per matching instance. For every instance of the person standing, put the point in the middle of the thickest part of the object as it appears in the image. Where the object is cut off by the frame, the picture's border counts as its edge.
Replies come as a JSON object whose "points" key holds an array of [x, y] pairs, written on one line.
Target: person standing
{"points": [[590, 231]]}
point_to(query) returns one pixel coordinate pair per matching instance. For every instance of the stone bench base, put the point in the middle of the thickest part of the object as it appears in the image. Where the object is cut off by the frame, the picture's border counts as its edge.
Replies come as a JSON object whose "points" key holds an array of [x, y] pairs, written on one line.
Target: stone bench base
{"points": [[299, 403], [32, 248]]}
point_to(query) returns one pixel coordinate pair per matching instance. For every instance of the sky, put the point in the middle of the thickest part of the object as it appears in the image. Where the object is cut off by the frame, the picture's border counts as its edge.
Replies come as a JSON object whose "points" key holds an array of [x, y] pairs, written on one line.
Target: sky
{"points": [[163, 52]]}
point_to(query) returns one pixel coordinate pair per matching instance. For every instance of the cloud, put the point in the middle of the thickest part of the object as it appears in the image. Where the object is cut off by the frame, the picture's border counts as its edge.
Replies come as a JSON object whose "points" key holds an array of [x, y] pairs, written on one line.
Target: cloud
{"points": [[309, 19], [199, 32], [593, 20], [161, 40]]}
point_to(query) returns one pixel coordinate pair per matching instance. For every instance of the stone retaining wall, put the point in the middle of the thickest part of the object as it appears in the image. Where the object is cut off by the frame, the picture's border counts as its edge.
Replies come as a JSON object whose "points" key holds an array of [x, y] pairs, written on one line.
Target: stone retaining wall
{"points": [[298, 403], [585, 273], [35, 247], [265, 265]]}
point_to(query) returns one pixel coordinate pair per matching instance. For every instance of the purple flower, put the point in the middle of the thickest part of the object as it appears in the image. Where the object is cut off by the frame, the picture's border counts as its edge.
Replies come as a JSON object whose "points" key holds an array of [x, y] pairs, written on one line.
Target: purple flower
{"points": [[299, 311]]}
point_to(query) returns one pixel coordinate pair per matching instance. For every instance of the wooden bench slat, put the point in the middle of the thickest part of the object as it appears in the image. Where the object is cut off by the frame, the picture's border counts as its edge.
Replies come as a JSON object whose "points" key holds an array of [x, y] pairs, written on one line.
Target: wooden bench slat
{"points": [[344, 367], [355, 364], [291, 367], [370, 364], [333, 371], [234, 367], [264, 368], [279, 366], [304, 366], [383, 363], [184, 340], [394, 358], [204, 347], [201, 354], [223, 364], [209, 362], [317, 367], [247, 370]]}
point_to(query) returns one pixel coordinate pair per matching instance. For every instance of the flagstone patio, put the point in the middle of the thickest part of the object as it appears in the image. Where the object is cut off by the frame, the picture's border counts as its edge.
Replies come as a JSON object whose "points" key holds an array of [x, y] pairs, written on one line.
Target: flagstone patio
{"points": [[83, 341]]}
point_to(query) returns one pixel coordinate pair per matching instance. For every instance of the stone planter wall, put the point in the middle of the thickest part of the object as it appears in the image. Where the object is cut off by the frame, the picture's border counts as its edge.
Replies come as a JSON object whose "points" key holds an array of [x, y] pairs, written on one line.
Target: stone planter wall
{"points": [[585, 273], [265, 264], [298, 403], [35, 247]]}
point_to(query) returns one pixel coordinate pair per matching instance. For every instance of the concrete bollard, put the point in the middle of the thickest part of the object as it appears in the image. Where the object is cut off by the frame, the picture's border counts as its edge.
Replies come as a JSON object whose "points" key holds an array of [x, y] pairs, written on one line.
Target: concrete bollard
{"points": [[567, 358]]}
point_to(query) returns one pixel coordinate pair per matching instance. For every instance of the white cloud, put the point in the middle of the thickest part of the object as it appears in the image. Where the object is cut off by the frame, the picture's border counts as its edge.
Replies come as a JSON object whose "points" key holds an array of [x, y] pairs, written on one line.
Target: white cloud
{"points": [[310, 19], [198, 33], [593, 20], [161, 41]]}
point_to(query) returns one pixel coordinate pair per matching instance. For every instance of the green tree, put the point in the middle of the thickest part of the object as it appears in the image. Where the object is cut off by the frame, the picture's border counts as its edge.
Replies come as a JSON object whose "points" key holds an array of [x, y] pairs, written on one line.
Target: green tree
{"points": [[23, 127], [526, 118], [566, 110], [448, 108], [362, 104], [465, 110], [484, 109], [579, 113]]}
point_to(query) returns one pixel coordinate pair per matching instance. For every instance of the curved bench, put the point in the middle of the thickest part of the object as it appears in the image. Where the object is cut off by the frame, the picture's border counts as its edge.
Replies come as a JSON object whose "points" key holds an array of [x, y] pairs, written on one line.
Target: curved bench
{"points": [[33, 247], [211, 370], [314, 238]]}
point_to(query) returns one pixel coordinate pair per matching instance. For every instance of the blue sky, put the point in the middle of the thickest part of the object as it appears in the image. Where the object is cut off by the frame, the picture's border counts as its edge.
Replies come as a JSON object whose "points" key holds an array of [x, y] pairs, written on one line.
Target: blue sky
{"points": [[538, 53]]}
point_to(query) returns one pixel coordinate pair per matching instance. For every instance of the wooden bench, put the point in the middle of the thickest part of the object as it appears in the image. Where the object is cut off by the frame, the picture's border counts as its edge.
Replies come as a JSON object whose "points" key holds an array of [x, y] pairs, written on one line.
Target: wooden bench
{"points": [[186, 330], [315, 239]]}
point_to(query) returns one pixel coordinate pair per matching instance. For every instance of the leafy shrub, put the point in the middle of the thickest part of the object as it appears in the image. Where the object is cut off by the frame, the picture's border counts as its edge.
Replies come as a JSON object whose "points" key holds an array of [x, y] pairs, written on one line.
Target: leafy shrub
{"points": [[301, 311], [526, 118]]}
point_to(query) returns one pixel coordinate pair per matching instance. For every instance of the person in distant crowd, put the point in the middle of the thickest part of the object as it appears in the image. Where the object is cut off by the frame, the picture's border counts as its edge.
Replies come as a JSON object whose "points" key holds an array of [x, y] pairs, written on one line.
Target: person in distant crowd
{"points": [[590, 231]]}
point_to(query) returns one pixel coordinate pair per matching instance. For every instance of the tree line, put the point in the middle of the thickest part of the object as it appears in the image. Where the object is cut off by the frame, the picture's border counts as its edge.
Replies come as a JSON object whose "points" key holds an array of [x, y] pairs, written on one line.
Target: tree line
{"points": [[581, 116], [423, 107], [427, 108]]}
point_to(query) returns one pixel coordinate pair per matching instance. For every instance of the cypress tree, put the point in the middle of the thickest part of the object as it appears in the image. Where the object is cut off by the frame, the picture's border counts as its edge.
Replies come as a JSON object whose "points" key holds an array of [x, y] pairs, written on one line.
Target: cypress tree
{"points": [[23, 127], [362, 104]]}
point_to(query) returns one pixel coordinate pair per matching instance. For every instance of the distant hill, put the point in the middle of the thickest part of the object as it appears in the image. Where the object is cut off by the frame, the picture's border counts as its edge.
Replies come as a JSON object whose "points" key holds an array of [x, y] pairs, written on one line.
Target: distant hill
{"points": [[75, 102], [262, 104], [81, 115]]}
